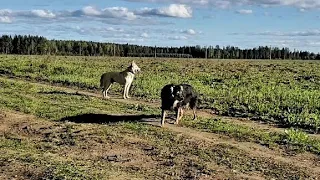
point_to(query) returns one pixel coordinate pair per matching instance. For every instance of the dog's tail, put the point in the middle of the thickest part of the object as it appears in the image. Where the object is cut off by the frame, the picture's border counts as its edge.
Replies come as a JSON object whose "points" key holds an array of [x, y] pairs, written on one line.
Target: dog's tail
{"points": [[200, 100]]}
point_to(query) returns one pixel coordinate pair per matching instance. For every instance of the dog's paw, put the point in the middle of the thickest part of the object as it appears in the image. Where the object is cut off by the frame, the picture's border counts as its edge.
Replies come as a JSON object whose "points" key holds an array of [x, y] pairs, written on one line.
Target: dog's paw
{"points": [[128, 97]]}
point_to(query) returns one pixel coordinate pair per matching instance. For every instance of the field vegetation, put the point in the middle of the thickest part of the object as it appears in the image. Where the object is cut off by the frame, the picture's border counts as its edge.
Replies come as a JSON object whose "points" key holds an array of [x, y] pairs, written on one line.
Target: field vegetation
{"points": [[55, 125], [282, 92]]}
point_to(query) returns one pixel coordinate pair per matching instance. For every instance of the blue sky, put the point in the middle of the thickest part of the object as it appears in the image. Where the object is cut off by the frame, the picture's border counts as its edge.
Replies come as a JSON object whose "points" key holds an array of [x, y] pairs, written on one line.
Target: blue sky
{"points": [[243, 23]]}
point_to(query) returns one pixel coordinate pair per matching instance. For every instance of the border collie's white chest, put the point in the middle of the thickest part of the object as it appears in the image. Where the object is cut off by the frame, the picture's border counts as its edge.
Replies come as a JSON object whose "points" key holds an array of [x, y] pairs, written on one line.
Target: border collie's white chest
{"points": [[129, 76]]}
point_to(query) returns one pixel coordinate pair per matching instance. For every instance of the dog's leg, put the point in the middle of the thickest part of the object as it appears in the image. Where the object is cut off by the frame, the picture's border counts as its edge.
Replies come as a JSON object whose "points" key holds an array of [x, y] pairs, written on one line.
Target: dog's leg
{"points": [[125, 91], [178, 116], [103, 93], [193, 106], [194, 114], [163, 117], [106, 89], [128, 89], [181, 114]]}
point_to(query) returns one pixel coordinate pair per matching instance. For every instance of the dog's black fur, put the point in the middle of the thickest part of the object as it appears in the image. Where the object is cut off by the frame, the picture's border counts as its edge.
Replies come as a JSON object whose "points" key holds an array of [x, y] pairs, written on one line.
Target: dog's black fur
{"points": [[176, 97]]}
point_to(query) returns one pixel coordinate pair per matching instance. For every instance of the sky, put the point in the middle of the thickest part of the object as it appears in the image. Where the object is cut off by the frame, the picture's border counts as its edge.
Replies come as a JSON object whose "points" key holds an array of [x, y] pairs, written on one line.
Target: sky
{"points": [[242, 23]]}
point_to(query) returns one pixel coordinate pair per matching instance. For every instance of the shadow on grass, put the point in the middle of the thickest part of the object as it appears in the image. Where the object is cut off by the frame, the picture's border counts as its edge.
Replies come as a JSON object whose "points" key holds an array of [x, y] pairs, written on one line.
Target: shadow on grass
{"points": [[63, 93], [106, 118]]}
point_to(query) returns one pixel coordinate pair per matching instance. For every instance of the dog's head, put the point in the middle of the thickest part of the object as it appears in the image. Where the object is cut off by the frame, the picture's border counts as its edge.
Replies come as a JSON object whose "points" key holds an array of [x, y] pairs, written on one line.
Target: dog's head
{"points": [[134, 67], [177, 92]]}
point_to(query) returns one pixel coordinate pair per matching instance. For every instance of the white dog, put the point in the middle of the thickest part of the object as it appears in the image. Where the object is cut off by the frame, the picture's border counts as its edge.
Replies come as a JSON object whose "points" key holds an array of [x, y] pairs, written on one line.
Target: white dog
{"points": [[123, 78]]}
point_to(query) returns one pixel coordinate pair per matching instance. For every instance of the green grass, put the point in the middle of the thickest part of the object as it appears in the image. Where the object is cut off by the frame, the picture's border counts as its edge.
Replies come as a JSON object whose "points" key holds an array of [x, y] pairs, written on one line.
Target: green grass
{"points": [[44, 159], [291, 139], [50, 149], [177, 157], [284, 92], [223, 154], [55, 105]]}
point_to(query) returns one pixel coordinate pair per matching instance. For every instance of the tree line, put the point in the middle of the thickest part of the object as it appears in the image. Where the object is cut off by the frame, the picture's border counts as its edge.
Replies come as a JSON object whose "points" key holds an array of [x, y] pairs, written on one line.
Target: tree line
{"points": [[38, 45]]}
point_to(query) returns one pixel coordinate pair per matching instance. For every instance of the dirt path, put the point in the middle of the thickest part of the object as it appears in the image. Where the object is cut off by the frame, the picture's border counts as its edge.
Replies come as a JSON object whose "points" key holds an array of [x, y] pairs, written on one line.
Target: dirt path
{"points": [[202, 113], [33, 129], [22, 124], [305, 160]]}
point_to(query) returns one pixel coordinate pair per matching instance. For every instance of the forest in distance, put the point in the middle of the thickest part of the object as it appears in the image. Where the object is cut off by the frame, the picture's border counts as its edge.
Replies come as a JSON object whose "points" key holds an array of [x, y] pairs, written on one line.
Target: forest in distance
{"points": [[38, 45]]}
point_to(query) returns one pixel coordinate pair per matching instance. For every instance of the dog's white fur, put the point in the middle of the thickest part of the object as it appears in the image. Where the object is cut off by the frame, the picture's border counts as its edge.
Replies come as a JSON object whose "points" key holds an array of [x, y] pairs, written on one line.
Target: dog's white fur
{"points": [[124, 78]]}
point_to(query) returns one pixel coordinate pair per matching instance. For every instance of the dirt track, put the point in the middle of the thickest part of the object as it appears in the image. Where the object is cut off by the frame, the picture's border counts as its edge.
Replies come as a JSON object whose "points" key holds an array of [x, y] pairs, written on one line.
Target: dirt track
{"points": [[29, 127]]}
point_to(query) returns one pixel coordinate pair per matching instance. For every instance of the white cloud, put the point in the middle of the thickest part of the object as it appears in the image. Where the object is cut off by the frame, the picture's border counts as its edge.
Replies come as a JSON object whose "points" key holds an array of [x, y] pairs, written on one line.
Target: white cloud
{"points": [[313, 43], [119, 12], [126, 40], [295, 43], [110, 12], [130, 33], [5, 12], [302, 10], [307, 4], [300, 40], [245, 11], [314, 32], [190, 32], [91, 11], [144, 35], [114, 29], [109, 15], [88, 11], [177, 38], [5, 19], [38, 13], [42, 13], [219, 4], [173, 10], [177, 10]]}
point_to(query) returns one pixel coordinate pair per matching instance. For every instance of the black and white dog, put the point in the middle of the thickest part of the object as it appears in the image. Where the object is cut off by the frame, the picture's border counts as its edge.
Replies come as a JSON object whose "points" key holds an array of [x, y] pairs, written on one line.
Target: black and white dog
{"points": [[175, 98]]}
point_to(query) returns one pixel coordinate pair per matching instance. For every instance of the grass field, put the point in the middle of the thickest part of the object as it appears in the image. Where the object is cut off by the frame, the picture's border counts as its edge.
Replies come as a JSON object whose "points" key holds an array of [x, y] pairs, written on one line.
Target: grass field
{"points": [[56, 132], [283, 92]]}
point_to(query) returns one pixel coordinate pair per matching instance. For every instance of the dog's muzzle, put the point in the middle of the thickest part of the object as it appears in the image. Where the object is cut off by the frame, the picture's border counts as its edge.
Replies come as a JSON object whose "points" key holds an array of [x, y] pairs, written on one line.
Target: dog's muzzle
{"points": [[137, 71], [179, 97]]}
